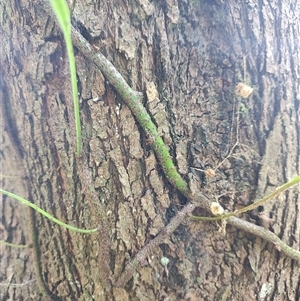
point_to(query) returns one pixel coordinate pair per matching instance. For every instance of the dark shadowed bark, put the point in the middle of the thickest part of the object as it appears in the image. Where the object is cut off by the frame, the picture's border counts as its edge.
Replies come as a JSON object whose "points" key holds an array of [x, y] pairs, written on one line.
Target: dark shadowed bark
{"points": [[194, 53]]}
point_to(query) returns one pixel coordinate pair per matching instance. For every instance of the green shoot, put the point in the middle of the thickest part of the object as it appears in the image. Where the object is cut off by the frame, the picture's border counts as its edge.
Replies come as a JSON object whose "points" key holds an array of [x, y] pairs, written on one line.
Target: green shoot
{"points": [[62, 12], [12, 245], [7, 177], [254, 205], [46, 214]]}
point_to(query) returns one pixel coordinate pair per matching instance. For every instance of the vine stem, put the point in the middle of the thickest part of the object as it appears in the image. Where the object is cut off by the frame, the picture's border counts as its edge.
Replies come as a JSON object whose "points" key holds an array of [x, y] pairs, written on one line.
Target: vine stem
{"points": [[266, 235], [9, 244], [252, 206]]}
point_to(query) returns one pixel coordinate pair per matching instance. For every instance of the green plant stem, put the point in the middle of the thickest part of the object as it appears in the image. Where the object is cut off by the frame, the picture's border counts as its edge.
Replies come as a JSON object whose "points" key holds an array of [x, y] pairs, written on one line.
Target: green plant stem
{"points": [[8, 244], [274, 194], [8, 177], [46, 214], [62, 13], [134, 101]]}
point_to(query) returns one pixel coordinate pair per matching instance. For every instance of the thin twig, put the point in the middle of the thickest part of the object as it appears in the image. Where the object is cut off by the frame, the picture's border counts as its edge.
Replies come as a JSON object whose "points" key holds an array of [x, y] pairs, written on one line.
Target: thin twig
{"points": [[142, 255], [266, 235]]}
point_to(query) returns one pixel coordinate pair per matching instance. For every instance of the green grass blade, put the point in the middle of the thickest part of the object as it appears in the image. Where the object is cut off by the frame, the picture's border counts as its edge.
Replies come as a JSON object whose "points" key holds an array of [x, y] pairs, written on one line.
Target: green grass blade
{"points": [[46, 214], [276, 193], [7, 177], [62, 12], [9, 244]]}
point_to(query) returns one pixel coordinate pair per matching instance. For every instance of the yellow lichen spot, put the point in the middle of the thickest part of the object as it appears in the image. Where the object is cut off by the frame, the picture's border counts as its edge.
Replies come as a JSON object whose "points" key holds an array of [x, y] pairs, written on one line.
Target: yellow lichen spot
{"points": [[151, 91], [243, 90]]}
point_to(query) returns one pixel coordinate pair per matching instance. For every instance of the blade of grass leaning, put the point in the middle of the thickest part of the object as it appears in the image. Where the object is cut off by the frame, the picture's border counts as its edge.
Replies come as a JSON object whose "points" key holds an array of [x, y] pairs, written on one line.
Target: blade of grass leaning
{"points": [[9, 244], [7, 177], [62, 12], [46, 214], [274, 194]]}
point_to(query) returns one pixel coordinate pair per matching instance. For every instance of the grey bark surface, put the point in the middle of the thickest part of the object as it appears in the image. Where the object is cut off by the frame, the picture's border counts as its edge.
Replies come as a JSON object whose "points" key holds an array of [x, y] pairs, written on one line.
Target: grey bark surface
{"points": [[195, 52]]}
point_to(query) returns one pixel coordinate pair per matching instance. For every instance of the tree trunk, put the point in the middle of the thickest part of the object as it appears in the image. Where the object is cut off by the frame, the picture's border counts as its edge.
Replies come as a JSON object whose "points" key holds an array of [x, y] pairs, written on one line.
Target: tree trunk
{"points": [[195, 53]]}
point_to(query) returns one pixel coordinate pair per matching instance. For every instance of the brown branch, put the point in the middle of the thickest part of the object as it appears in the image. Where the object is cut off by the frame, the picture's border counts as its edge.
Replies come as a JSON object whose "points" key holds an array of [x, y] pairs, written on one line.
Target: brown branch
{"points": [[266, 235], [142, 255]]}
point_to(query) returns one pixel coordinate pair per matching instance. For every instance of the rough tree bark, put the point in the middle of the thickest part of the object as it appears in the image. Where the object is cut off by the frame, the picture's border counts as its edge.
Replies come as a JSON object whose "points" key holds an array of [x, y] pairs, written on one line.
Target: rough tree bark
{"points": [[195, 52]]}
